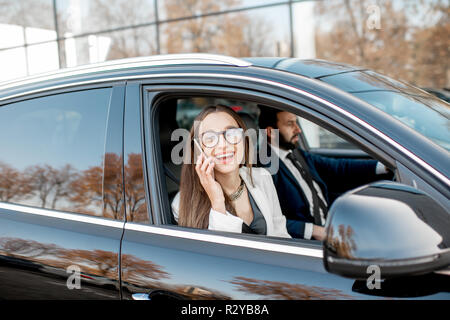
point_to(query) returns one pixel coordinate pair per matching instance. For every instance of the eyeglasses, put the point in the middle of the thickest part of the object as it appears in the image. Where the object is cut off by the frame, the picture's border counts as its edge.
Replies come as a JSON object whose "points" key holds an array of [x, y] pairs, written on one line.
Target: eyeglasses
{"points": [[211, 138]]}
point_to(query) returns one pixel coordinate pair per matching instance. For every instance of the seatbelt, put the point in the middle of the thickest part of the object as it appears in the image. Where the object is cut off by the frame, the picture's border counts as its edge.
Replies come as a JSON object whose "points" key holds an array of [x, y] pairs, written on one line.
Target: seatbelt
{"points": [[300, 163]]}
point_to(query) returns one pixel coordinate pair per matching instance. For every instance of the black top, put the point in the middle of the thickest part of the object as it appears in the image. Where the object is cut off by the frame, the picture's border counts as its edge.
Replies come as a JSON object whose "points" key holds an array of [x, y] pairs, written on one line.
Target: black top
{"points": [[258, 224]]}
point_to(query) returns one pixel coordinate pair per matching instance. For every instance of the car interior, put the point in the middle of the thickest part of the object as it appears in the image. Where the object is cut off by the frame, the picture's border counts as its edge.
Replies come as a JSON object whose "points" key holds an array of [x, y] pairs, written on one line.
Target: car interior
{"points": [[180, 112]]}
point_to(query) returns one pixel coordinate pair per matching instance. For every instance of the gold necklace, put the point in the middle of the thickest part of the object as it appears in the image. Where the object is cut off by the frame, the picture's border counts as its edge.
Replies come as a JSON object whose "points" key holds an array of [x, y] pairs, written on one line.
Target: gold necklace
{"points": [[235, 195]]}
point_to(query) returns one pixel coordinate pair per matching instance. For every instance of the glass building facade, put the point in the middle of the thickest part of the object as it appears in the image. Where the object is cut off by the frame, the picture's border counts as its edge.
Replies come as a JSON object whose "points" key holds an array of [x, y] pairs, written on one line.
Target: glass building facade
{"points": [[405, 39]]}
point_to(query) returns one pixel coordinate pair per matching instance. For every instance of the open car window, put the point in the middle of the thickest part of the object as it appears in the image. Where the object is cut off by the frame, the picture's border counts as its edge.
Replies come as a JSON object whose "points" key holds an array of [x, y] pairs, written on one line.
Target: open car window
{"points": [[177, 114], [320, 138]]}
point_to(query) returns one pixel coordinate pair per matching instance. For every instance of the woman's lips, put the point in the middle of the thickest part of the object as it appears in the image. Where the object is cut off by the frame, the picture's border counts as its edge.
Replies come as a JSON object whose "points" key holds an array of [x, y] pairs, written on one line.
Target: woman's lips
{"points": [[224, 158]]}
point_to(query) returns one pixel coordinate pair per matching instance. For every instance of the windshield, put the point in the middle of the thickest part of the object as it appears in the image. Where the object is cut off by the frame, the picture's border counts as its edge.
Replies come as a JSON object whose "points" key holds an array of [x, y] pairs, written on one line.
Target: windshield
{"points": [[424, 113], [415, 112]]}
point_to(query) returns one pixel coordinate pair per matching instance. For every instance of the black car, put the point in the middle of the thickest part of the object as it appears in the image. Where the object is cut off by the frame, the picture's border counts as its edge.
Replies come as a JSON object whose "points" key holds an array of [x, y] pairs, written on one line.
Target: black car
{"points": [[87, 176]]}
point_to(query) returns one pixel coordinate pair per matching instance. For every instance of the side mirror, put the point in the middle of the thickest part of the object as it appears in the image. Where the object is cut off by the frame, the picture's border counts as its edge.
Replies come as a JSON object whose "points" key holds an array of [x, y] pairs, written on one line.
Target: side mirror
{"points": [[395, 227]]}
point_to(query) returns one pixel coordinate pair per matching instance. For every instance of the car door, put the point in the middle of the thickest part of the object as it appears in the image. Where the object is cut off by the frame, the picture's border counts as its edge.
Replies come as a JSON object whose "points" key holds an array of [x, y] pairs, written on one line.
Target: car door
{"points": [[61, 216], [161, 260]]}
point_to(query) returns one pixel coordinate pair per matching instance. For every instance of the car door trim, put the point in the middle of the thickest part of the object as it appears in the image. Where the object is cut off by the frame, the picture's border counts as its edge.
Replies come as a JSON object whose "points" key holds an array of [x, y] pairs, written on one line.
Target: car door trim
{"points": [[128, 63], [231, 241], [211, 238], [77, 217], [381, 135]]}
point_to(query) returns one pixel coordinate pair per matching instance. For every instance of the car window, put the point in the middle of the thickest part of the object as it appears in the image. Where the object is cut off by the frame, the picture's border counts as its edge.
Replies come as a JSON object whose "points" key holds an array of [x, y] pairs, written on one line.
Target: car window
{"points": [[417, 109], [427, 115], [52, 151], [179, 113], [320, 138], [136, 203]]}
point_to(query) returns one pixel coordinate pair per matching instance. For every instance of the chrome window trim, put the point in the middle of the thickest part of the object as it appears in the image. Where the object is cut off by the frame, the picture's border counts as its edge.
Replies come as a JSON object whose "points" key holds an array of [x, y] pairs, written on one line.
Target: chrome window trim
{"points": [[62, 86], [120, 64], [160, 230], [231, 241], [381, 135], [77, 217]]}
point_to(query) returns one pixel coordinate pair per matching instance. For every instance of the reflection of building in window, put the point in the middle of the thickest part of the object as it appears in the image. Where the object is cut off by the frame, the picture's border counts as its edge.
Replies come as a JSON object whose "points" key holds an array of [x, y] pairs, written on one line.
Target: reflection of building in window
{"points": [[55, 160]]}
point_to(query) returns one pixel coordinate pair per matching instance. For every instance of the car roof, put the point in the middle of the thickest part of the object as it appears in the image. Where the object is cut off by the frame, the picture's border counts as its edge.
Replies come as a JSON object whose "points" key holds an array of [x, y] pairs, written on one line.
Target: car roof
{"points": [[129, 63], [346, 77], [312, 68]]}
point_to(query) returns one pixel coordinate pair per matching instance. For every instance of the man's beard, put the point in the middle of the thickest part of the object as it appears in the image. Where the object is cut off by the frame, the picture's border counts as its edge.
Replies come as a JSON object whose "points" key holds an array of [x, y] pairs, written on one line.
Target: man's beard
{"points": [[287, 145]]}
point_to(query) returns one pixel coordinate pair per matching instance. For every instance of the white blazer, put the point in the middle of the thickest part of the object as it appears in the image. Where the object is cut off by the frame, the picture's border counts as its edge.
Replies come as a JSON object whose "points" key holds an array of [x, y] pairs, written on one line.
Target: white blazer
{"points": [[266, 198]]}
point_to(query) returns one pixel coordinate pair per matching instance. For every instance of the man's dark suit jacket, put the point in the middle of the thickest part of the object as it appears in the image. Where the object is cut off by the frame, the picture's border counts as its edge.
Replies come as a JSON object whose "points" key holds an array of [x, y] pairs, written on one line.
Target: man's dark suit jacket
{"points": [[334, 176]]}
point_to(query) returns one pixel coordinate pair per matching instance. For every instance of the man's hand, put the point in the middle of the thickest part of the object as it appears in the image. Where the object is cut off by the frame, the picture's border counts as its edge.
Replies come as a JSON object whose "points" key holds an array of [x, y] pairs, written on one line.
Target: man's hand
{"points": [[318, 233]]}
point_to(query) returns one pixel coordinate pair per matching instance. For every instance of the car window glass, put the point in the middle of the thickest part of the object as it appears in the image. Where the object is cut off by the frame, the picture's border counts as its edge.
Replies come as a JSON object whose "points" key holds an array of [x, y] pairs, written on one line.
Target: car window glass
{"points": [[417, 109], [52, 151], [320, 138], [179, 114], [427, 115]]}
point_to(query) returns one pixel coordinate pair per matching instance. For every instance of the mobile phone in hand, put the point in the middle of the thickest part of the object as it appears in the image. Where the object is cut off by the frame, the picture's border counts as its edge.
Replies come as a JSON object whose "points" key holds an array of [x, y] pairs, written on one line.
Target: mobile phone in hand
{"points": [[197, 144]]}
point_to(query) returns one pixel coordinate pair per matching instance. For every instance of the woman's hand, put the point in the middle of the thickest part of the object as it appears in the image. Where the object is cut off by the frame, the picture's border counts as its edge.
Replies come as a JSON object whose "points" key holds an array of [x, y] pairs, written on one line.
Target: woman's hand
{"points": [[205, 171]]}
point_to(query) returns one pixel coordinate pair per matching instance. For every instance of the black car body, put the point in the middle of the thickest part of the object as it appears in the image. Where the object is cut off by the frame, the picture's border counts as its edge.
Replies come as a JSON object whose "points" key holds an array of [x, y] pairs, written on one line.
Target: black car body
{"points": [[105, 232]]}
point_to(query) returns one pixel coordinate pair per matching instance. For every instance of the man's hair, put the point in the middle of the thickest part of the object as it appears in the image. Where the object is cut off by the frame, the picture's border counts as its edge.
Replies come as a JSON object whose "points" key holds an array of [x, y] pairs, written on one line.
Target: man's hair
{"points": [[268, 117]]}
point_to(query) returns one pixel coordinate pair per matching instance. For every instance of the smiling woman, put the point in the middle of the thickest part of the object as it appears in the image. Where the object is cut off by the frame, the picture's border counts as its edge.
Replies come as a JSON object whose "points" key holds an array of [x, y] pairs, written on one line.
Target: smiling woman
{"points": [[219, 189]]}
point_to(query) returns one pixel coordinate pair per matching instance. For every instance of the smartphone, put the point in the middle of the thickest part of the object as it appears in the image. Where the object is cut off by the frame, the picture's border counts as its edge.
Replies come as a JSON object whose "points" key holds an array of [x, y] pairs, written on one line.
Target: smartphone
{"points": [[197, 144]]}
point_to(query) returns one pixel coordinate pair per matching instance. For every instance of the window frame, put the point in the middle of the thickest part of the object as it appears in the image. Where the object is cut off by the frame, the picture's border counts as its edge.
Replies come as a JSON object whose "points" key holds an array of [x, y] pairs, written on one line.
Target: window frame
{"points": [[116, 100], [159, 206]]}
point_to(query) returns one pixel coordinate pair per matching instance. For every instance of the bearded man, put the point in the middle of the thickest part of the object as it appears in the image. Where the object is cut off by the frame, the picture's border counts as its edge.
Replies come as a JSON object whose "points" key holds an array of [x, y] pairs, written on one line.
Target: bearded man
{"points": [[303, 180]]}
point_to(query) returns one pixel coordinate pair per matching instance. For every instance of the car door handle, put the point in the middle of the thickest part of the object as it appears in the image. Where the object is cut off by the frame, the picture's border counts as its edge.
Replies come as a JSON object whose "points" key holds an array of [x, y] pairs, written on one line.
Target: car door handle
{"points": [[156, 295], [140, 296]]}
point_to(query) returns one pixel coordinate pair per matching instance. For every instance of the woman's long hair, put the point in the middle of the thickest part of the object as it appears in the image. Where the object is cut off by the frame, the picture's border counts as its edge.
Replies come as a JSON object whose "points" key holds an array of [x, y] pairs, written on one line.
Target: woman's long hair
{"points": [[194, 202]]}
